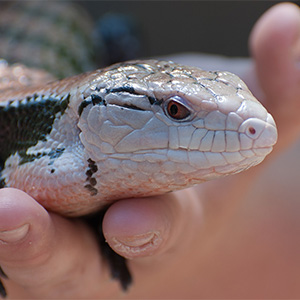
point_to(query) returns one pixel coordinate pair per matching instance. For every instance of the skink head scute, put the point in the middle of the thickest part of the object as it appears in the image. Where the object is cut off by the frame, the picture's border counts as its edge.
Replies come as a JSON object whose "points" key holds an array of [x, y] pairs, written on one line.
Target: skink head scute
{"points": [[93, 99]]}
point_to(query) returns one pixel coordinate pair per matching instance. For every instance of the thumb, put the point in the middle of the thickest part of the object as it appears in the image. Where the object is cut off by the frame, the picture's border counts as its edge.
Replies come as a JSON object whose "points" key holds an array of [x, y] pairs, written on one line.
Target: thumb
{"points": [[274, 43]]}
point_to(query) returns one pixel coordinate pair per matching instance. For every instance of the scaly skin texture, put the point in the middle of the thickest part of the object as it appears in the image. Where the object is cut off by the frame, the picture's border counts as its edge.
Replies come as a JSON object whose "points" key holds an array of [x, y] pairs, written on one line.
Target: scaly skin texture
{"points": [[138, 128]]}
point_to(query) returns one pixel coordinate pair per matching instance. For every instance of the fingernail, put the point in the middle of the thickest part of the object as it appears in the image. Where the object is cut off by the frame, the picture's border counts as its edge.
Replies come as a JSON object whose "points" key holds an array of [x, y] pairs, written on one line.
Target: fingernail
{"points": [[133, 245], [14, 235]]}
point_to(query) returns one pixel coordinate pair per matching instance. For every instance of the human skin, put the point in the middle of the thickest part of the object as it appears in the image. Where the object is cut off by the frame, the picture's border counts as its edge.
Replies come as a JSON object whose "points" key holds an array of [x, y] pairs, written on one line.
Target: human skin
{"points": [[236, 237]]}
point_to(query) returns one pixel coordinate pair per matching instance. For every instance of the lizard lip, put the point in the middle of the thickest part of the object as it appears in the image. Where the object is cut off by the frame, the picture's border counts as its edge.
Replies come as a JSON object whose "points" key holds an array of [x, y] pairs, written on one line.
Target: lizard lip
{"points": [[262, 151], [267, 138]]}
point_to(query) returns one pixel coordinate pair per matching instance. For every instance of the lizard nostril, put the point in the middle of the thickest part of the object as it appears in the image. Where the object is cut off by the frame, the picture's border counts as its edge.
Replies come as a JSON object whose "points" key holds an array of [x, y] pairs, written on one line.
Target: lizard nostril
{"points": [[252, 130], [253, 127], [263, 133]]}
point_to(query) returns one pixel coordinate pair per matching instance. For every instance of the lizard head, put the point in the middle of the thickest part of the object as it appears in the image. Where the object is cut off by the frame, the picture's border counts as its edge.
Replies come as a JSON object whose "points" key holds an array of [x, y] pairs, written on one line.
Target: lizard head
{"points": [[171, 125]]}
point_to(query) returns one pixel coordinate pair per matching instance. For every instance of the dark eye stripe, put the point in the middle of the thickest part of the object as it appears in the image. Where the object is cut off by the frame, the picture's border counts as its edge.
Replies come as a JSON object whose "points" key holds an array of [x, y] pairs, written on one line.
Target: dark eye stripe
{"points": [[131, 90]]}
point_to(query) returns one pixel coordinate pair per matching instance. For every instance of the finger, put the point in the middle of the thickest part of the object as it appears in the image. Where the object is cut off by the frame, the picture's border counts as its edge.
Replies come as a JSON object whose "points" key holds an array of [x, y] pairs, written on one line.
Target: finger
{"points": [[151, 226], [44, 254], [274, 43]]}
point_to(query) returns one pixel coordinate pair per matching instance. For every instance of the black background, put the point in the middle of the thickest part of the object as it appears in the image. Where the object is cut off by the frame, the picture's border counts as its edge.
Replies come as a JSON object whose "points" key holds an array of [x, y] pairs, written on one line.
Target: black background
{"points": [[218, 27]]}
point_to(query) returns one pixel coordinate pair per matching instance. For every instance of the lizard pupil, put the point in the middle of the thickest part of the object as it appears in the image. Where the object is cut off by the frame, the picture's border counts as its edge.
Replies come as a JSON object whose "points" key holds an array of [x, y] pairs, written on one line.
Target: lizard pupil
{"points": [[173, 110]]}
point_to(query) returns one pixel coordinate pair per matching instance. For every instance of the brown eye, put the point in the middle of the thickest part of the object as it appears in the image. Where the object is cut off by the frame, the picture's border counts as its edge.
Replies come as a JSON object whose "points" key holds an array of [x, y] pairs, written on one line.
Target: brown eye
{"points": [[176, 110]]}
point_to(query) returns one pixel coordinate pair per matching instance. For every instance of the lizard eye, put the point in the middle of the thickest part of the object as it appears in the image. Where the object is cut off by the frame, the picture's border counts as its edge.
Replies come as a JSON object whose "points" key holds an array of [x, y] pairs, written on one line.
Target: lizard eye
{"points": [[176, 110]]}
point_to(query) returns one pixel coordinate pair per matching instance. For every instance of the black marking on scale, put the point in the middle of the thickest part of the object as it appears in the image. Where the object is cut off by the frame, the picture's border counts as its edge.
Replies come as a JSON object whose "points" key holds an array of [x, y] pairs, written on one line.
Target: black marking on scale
{"points": [[23, 123], [152, 100], [53, 154], [96, 99], [92, 169], [170, 74], [131, 90], [142, 66], [92, 99], [125, 88]]}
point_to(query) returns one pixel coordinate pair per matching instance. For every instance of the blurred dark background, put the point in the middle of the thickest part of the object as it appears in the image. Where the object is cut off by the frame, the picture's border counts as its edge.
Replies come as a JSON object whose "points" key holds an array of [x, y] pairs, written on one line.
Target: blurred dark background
{"points": [[70, 37], [166, 27]]}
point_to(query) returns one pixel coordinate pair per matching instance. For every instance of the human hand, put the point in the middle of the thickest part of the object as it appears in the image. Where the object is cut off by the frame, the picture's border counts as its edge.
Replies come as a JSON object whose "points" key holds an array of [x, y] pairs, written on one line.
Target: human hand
{"points": [[199, 244], [48, 256]]}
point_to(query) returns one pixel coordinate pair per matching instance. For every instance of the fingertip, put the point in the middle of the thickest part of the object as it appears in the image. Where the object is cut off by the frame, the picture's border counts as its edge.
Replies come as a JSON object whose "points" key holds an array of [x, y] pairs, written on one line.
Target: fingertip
{"points": [[22, 220], [19, 210], [23, 226], [32, 241], [152, 226], [273, 43], [138, 227], [279, 23]]}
